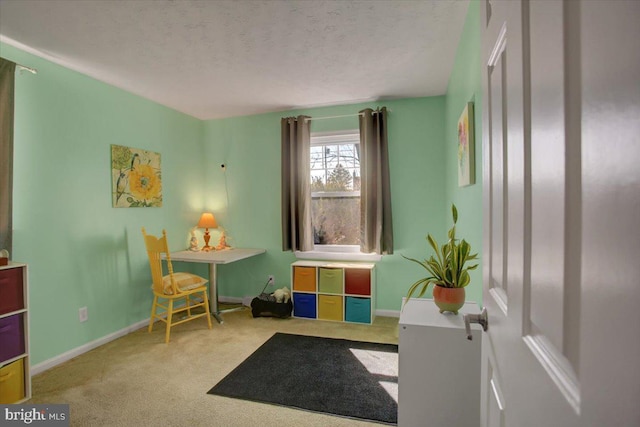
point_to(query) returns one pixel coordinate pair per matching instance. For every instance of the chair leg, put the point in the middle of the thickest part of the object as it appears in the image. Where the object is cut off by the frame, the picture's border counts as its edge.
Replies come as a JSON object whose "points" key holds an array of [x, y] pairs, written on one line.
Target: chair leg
{"points": [[153, 312], [206, 307], [189, 305], [169, 318]]}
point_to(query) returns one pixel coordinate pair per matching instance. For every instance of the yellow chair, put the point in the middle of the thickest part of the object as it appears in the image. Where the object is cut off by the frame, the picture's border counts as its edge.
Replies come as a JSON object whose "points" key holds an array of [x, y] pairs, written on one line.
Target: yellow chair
{"points": [[173, 287]]}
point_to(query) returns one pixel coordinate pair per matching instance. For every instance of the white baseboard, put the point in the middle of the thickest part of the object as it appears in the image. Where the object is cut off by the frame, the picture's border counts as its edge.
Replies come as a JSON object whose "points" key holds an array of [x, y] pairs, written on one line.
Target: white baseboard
{"points": [[231, 300], [75, 352], [388, 313], [68, 355]]}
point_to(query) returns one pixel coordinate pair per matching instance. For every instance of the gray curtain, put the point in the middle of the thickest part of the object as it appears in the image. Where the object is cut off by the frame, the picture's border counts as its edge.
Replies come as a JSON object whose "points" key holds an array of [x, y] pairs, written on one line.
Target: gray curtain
{"points": [[375, 191], [297, 234], [7, 75]]}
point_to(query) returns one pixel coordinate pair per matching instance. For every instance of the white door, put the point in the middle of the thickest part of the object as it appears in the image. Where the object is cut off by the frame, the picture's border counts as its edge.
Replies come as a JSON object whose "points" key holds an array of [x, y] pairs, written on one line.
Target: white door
{"points": [[561, 254]]}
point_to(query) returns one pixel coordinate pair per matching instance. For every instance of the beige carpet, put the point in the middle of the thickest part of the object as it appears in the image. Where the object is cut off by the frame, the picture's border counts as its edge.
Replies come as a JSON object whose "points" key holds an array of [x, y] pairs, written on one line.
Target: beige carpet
{"points": [[138, 380]]}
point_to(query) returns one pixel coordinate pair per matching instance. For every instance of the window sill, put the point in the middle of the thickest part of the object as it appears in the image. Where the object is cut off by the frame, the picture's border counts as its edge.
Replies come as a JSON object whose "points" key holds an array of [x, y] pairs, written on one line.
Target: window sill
{"points": [[338, 256]]}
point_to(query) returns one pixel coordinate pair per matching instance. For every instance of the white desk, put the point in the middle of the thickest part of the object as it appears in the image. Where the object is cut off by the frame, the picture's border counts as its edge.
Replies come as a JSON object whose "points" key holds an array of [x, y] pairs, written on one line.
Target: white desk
{"points": [[213, 258]]}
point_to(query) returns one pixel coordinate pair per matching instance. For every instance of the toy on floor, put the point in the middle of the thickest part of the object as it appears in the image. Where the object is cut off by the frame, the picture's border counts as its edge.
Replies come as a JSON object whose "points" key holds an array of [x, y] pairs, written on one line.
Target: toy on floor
{"points": [[277, 304], [282, 294]]}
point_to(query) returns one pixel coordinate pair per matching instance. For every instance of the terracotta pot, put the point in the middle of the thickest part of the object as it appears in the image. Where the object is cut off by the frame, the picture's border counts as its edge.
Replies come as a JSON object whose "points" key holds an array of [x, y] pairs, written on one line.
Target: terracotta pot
{"points": [[448, 299]]}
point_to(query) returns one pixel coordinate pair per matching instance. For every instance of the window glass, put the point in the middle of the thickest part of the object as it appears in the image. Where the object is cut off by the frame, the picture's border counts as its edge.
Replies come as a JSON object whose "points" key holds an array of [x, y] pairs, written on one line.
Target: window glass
{"points": [[335, 188]]}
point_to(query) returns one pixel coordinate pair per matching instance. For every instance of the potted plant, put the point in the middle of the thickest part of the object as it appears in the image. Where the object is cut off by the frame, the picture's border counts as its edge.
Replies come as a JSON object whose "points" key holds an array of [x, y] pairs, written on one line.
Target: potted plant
{"points": [[448, 270]]}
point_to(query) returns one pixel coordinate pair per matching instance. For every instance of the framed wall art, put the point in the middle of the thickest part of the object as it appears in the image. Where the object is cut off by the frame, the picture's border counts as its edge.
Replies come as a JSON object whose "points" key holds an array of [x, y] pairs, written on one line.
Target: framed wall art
{"points": [[466, 151], [136, 178]]}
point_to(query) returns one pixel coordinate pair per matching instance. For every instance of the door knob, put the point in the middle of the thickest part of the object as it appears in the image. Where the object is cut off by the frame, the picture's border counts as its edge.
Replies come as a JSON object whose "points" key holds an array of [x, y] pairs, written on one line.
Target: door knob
{"points": [[481, 319]]}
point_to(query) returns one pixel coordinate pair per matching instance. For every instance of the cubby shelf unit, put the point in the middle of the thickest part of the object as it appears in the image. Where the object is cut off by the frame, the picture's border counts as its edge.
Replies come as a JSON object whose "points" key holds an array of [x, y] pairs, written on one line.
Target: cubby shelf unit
{"points": [[342, 292], [15, 379]]}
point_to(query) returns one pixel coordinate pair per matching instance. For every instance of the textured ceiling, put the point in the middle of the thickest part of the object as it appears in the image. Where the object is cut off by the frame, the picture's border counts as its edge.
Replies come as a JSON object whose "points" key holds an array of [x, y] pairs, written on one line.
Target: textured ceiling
{"points": [[213, 59]]}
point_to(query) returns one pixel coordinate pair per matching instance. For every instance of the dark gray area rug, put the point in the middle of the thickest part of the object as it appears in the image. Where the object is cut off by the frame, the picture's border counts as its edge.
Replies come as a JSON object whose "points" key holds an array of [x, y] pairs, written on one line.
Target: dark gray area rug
{"points": [[341, 377]]}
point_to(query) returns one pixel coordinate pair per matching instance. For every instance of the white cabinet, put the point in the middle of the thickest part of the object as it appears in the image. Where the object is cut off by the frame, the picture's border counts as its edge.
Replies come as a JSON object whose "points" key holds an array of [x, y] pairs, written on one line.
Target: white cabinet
{"points": [[438, 367]]}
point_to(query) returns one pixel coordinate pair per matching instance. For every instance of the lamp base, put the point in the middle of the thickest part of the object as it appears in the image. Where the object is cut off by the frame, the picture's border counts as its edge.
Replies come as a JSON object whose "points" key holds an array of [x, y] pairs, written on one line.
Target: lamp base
{"points": [[206, 247]]}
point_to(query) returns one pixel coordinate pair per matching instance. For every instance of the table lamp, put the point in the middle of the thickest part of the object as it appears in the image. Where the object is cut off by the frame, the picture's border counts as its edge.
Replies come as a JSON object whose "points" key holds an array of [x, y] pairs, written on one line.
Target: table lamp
{"points": [[207, 221]]}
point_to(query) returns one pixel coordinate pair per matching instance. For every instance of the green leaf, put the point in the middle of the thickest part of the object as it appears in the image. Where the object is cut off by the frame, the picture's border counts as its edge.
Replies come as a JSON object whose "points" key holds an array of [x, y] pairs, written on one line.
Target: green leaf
{"points": [[454, 212], [446, 250], [454, 267], [425, 284], [435, 246], [413, 287], [414, 260], [448, 278], [435, 268], [464, 279], [423, 290], [463, 252]]}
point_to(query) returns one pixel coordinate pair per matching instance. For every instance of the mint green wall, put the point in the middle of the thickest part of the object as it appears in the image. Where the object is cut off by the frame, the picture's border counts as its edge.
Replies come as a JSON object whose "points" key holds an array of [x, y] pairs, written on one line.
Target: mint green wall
{"points": [[83, 252], [465, 85], [423, 153], [80, 250], [250, 148]]}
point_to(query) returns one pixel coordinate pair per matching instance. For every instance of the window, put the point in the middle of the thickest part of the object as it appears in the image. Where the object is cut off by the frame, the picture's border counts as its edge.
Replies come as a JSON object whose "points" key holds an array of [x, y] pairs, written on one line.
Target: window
{"points": [[328, 208], [335, 188]]}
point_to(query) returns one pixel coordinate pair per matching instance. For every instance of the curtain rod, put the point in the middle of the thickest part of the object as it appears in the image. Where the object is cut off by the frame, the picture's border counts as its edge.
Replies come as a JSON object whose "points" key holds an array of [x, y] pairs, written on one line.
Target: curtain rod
{"points": [[336, 117], [25, 68]]}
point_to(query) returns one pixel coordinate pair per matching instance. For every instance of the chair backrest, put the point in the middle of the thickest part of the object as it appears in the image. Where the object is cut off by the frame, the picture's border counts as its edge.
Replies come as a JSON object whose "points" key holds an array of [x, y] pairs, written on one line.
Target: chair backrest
{"points": [[156, 246]]}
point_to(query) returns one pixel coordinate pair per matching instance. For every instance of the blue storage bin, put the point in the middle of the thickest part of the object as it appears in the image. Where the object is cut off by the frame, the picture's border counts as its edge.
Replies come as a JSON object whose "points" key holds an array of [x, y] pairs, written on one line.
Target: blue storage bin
{"points": [[304, 305], [358, 310]]}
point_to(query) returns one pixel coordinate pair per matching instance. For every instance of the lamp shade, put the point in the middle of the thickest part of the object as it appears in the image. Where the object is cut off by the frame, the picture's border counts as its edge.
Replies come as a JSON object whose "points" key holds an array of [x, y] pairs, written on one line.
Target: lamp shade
{"points": [[207, 221]]}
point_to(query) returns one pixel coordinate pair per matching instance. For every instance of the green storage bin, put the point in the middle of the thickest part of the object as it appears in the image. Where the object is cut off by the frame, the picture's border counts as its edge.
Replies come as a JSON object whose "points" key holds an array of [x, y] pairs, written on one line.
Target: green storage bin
{"points": [[330, 280]]}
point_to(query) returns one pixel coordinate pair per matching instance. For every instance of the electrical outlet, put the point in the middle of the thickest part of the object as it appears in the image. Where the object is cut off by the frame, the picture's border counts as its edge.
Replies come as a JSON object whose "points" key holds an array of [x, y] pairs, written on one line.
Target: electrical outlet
{"points": [[272, 280], [83, 315]]}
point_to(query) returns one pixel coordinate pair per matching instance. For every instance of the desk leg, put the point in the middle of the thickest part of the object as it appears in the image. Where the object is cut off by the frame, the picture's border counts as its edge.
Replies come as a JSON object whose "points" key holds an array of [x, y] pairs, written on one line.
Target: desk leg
{"points": [[213, 293]]}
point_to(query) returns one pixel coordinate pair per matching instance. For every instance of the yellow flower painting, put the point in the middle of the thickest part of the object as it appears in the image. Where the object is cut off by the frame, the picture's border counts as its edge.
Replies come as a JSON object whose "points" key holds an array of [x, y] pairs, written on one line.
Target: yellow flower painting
{"points": [[136, 178], [466, 157]]}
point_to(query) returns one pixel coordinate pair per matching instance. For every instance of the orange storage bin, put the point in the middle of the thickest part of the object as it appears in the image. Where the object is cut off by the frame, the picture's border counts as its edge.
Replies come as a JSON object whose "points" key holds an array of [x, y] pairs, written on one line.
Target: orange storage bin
{"points": [[12, 382], [330, 307], [304, 279]]}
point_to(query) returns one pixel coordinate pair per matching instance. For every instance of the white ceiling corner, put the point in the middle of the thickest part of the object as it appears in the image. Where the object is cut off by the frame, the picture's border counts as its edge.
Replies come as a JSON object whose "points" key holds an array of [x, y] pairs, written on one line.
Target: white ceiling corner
{"points": [[214, 59]]}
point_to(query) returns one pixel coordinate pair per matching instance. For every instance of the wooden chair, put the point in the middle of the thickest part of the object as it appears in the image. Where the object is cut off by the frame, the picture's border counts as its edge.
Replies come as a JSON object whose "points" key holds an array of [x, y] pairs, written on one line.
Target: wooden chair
{"points": [[173, 287]]}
